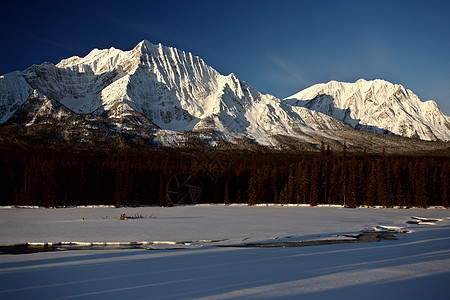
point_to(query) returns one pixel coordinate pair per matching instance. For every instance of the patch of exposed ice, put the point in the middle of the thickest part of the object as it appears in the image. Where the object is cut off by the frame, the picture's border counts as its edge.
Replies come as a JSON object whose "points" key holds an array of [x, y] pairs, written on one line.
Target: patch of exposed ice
{"points": [[422, 219]]}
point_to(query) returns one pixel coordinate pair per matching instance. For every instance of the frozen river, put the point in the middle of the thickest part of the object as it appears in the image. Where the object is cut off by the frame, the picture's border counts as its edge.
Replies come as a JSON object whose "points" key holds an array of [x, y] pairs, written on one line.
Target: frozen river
{"points": [[195, 252]]}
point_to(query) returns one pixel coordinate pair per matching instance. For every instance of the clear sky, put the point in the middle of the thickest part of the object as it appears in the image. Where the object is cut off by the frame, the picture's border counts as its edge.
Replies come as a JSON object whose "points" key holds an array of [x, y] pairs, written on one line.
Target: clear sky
{"points": [[279, 47]]}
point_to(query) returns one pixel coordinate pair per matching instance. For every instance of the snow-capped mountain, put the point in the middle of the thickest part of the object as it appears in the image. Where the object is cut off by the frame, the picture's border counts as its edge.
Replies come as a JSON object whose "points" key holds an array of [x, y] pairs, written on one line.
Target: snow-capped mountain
{"points": [[174, 90], [377, 106], [163, 96]]}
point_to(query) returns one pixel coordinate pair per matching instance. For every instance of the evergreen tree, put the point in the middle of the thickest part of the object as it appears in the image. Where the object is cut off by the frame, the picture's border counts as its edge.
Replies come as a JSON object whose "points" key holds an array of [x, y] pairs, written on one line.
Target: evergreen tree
{"points": [[326, 174], [162, 191], [399, 197], [238, 196], [444, 183], [314, 193], [226, 195], [382, 194], [290, 187], [283, 197], [252, 191], [336, 183], [371, 199], [305, 182], [351, 200], [420, 192]]}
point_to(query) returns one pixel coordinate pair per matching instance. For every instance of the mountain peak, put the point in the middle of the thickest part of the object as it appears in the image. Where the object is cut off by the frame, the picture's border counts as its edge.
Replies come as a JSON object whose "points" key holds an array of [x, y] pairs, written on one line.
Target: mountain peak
{"points": [[144, 41], [144, 44], [376, 105], [176, 91], [172, 89]]}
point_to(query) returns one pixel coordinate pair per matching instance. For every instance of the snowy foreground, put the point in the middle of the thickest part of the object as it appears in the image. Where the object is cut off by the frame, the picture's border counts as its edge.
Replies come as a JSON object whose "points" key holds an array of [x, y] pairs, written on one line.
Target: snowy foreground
{"points": [[416, 266]]}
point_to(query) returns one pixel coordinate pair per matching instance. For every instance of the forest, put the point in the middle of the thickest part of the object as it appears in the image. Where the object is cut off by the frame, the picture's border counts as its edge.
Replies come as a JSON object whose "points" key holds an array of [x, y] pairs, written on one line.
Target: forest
{"points": [[52, 178]]}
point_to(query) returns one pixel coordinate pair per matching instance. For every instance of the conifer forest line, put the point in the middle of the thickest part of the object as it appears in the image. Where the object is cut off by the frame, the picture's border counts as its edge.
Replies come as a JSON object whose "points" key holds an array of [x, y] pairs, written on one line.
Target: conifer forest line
{"points": [[51, 178]]}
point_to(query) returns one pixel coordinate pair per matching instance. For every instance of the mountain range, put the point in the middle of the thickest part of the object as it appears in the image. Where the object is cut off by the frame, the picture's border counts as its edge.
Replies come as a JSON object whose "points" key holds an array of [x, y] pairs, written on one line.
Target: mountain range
{"points": [[158, 95]]}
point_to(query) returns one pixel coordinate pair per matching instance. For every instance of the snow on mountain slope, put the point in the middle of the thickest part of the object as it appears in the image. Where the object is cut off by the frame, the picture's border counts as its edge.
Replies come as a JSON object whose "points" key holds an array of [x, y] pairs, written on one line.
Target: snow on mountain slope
{"points": [[162, 93], [377, 106], [173, 89], [170, 87], [40, 110], [14, 91], [242, 109]]}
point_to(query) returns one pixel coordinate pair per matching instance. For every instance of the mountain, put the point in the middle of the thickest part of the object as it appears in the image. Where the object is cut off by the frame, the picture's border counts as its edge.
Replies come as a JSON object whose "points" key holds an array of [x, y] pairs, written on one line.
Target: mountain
{"points": [[172, 89], [376, 106], [153, 95]]}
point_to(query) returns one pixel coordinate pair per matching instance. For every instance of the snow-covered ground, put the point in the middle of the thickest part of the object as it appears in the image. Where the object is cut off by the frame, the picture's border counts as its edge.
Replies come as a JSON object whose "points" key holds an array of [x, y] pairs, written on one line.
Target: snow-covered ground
{"points": [[416, 266]]}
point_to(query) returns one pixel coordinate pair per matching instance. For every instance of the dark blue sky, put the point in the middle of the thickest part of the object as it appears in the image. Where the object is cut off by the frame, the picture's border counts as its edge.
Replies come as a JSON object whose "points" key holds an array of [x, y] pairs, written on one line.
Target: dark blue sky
{"points": [[279, 47]]}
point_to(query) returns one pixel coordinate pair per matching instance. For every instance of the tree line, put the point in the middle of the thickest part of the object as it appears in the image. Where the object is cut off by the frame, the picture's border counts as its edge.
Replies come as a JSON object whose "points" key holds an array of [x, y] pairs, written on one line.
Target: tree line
{"points": [[54, 178]]}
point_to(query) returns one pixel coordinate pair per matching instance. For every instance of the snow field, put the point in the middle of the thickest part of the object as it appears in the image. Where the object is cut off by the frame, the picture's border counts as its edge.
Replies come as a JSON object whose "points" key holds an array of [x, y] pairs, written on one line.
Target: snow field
{"points": [[415, 266]]}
